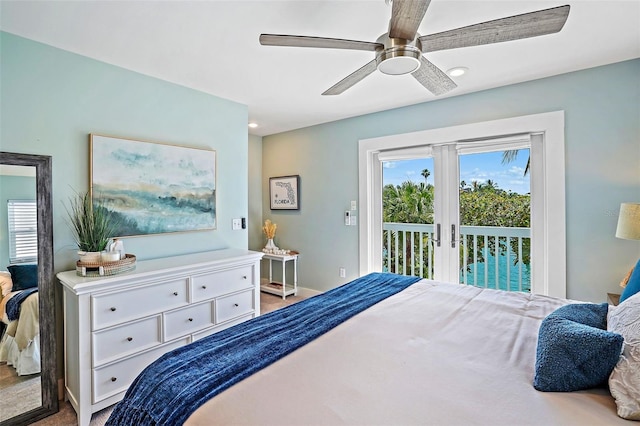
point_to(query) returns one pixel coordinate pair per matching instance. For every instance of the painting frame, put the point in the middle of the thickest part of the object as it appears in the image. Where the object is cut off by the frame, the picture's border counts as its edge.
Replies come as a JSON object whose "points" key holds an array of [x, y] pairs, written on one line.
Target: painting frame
{"points": [[284, 192], [153, 187]]}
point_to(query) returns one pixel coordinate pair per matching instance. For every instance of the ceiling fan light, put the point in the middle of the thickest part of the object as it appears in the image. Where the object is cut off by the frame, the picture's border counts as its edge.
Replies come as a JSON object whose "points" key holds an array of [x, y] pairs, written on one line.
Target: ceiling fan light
{"points": [[399, 61]]}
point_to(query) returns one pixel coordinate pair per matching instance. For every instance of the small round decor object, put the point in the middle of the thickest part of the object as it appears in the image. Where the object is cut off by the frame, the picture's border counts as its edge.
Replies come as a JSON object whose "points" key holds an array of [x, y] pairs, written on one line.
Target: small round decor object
{"points": [[101, 268]]}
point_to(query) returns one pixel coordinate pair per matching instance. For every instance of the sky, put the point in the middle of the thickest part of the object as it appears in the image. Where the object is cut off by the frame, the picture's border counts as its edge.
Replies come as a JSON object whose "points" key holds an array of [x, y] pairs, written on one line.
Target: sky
{"points": [[473, 167]]}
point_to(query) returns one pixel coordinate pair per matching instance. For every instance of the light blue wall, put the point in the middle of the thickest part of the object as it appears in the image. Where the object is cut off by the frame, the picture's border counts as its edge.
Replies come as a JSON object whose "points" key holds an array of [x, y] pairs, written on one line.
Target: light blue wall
{"points": [[602, 116], [52, 99]]}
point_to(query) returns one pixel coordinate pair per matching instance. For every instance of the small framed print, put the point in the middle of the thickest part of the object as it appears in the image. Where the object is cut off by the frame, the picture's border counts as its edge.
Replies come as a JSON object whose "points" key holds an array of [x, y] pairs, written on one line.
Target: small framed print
{"points": [[284, 192]]}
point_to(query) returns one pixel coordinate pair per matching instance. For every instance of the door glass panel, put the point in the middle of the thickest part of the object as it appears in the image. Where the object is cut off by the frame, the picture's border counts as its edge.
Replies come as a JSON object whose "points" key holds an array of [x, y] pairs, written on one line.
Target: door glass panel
{"points": [[408, 217], [495, 218]]}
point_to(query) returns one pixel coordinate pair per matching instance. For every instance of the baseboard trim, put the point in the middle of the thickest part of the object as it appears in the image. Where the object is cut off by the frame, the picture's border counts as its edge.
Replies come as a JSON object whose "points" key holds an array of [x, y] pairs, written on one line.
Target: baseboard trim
{"points": [[308, 292]]}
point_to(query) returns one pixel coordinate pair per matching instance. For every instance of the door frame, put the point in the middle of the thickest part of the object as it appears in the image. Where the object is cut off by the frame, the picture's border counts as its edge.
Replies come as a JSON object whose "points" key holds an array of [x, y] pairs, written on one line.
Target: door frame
{"points": [[548, 273]]}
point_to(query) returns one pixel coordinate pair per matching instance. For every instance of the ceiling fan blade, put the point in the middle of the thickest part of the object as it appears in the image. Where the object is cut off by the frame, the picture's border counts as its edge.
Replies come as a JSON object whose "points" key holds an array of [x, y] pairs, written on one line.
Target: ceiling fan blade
{"points": [[352, 79], [406, 16], [329, 43], [433, 78], [533, 24]]}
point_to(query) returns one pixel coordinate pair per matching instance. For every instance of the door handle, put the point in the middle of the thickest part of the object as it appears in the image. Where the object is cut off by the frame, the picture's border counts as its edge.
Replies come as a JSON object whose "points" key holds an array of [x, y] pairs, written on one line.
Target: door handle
{"points": [[437, 238], [453, 236]]}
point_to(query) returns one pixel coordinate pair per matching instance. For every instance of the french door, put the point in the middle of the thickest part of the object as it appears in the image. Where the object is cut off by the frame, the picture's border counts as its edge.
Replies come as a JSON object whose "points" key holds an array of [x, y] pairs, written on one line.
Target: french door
{"points": [[548, 220], [428, 241]]}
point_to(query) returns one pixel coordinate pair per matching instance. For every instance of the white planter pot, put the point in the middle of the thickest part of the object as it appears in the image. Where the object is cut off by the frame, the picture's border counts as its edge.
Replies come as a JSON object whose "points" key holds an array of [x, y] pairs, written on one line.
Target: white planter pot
{"points": [[90, 256]]}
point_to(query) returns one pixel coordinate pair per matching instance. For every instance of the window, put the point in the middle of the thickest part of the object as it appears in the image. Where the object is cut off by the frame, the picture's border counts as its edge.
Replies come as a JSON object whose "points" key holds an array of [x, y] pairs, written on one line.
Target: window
{"points": [[23, 231]]}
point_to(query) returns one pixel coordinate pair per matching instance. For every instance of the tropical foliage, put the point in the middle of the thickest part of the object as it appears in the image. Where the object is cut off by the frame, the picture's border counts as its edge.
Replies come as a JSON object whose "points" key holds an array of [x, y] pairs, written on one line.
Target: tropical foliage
{"points": [[481, 204]]}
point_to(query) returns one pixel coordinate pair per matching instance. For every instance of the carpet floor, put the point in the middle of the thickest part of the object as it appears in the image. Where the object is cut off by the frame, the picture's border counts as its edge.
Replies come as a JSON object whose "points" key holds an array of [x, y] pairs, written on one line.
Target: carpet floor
{"points": [[20, 397], [67, 415]]}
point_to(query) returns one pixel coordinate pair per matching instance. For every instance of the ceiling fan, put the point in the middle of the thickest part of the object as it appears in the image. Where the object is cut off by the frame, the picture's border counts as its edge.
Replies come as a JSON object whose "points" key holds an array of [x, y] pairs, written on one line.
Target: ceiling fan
{"points": [[399, 51]]}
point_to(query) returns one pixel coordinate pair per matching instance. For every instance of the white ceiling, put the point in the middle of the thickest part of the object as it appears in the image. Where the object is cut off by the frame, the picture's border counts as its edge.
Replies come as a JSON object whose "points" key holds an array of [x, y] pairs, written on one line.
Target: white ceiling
{"points": [[212, 46]]}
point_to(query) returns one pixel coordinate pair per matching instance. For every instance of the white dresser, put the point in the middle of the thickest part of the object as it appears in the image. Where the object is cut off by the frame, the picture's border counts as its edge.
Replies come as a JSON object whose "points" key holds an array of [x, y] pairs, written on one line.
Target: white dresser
{"points": [[115, 326]]}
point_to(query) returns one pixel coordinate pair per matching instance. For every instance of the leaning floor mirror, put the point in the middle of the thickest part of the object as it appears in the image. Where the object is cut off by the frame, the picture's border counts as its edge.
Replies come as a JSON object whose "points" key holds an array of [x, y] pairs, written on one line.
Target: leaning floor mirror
{"points": [[27, 306]]}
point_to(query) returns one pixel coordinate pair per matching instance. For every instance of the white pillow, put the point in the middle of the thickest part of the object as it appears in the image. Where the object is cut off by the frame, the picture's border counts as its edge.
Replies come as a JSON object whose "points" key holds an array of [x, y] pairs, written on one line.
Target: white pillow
{"points": [[6, 284], [624, 381]]}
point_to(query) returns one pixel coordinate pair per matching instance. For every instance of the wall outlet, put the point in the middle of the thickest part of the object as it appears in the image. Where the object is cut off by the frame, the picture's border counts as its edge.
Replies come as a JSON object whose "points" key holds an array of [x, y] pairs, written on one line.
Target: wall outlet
{"points": [[236, 224], [354, 220], [343, 272]]}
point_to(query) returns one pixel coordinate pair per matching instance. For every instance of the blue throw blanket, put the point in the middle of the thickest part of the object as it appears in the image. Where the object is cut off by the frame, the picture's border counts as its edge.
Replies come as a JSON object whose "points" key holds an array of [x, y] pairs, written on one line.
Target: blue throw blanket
{"points": [[168, 391], [13, 305]]}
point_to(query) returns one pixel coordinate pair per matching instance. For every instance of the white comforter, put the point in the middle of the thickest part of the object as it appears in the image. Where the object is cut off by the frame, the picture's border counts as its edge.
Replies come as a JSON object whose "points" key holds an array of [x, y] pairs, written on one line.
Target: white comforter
{"points": [[20, 345], [438, 354]]}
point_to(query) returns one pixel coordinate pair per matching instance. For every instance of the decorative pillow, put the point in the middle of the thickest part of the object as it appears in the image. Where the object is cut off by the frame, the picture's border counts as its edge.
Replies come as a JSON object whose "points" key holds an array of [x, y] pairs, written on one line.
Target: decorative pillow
{"points": [[5, 283], [23, 276], [633, 284], [575, 351], [624, 381], [591, 314]]}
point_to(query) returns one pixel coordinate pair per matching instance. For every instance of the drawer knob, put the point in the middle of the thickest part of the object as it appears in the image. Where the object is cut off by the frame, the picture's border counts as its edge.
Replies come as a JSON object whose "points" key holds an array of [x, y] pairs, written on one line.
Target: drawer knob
{"points": [[190, 319], [175, 293], [129, 339], [204, 286], [113, 309], [113, 379], [236, 305], [244, 277]]}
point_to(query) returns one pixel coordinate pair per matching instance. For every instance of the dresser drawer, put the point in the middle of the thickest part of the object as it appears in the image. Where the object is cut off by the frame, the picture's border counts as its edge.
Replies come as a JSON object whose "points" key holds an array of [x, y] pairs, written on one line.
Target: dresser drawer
{"points": [[213, 330], [233, 306], [118, 307], [115, 378], [208, 286], [185, 321], [109, 345]]}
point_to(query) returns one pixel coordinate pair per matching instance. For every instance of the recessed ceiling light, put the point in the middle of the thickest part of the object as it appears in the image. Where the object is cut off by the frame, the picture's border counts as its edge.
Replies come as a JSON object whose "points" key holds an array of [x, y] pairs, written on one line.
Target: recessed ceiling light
{"points": [[253, 125], [457, 71]]}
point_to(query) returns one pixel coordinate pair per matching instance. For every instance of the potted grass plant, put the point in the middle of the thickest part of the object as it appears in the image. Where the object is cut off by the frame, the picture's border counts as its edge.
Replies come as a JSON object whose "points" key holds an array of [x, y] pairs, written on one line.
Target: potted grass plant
{"points": [[92, 226]]}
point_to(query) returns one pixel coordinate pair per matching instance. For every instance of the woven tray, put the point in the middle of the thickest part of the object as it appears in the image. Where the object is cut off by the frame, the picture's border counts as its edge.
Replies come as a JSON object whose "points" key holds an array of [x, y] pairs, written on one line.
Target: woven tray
{"points": [[99, 269]]}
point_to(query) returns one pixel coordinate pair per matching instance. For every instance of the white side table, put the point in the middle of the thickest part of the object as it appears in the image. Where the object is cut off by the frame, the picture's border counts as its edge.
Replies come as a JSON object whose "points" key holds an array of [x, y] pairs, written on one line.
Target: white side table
{"points": [[281, 288]]}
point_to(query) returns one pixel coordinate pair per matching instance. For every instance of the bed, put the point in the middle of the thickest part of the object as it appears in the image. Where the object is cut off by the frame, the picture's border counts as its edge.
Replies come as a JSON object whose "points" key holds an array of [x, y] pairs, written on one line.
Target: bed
{"points": [[19, 312], [430, 353]]}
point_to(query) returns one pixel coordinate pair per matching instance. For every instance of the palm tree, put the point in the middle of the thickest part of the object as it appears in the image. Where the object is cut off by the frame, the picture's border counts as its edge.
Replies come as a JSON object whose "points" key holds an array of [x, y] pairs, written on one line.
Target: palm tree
{"points": [[426, 173], [511, 155]]}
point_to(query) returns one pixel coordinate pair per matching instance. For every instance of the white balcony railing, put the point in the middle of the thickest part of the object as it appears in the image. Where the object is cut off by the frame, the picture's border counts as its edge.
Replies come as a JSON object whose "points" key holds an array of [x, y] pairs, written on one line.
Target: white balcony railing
{"points": [[491, 257]]}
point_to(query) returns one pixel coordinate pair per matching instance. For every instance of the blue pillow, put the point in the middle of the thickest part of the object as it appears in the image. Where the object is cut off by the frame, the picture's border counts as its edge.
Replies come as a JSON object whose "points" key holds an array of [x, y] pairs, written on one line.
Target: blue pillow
{"points": [[575, 351], [591, 314], [23, 276], [633, 285]]}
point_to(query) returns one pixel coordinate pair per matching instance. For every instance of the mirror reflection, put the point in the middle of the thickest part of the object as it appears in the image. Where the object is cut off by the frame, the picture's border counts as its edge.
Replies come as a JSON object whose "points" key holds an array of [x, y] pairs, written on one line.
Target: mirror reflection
{"points": [[20, 382]]}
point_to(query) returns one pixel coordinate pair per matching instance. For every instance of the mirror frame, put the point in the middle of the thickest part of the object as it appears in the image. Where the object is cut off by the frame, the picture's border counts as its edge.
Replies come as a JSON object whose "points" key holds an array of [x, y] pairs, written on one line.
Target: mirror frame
{"points": [[46, 287]]}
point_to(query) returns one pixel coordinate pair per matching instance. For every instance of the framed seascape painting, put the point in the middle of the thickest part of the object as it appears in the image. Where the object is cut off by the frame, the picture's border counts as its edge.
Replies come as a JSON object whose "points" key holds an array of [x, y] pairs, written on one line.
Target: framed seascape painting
{"points": [[153, 188], [284, 192]]}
